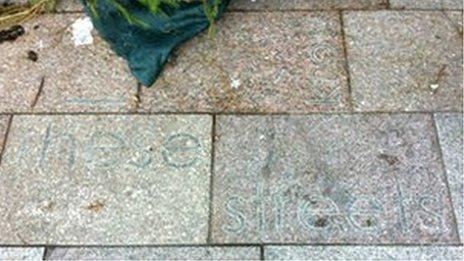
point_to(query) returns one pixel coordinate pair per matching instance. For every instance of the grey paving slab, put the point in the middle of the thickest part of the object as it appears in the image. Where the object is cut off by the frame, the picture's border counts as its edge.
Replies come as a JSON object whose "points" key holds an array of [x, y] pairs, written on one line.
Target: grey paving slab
{"points": [[427, 4], [3, 126], [69, 6], [362, 253], [105, 180], [156, 253], [271, 62], [358, 179], [76, 78], [404, 60], [450, 130], [21, 253], [305, 4]]}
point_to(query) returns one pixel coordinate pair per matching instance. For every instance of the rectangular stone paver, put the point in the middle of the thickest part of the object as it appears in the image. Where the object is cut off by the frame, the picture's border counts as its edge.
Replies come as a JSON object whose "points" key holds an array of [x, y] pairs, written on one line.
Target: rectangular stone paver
{"points": [[305, 4], [427, 4], [363, 179], [106, 180], [75, 78], [450, 130], [156, 253], [21, 253], [407, 61], [362, 253], [271, 62]]}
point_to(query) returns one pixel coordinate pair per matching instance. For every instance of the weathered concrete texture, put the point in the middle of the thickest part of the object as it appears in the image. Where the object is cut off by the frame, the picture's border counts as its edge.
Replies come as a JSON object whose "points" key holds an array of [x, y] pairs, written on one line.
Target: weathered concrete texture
{"points": [[21, 253], [271, 62], [330, 179], [408, 61], [76, 78], [156, 253], [305, 4], [362, 253], [451, 140], [427, 4], [69, 6], [3, 126], [106, 180]]}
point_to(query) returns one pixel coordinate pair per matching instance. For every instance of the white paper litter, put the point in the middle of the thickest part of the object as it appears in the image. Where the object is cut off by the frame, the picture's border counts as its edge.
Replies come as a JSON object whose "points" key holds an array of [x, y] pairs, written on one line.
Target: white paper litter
{"points": [[82, 31], [235, 83]]}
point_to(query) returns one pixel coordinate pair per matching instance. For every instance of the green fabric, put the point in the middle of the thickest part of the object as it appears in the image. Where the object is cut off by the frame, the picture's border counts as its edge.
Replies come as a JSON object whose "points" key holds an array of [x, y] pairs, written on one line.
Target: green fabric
{"points": [[147, 48]]}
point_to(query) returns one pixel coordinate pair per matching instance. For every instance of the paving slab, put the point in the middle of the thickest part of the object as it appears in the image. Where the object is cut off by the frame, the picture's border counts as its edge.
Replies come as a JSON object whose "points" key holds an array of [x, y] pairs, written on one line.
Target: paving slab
{"points": [[105, 180], [3, 126], [427, 4], [362, 253], [306, 4], [357, 179], [404, 60], [156, 253], [21, 253], [69, 6], [271, 62], [71, 78], [450, 130]]}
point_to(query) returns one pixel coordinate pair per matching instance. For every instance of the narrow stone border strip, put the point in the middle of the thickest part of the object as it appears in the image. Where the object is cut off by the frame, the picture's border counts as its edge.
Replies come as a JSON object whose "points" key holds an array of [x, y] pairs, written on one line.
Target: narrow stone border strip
{"points": [[362, 253], [154, 253], [22, 253]]}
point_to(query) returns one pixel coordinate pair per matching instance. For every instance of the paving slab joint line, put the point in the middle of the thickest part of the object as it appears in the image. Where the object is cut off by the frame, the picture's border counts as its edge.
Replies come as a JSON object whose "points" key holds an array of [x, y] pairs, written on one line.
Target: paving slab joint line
{"points": [[5, 140], [233, 245], [237, 113], [209, 239], [69, 12], [387, 7], [445, 176]]}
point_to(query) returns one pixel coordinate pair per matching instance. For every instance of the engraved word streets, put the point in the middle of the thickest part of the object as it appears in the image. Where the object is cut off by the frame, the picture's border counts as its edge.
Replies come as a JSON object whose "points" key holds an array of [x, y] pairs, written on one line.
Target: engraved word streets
{"points": [[104, 149], [306, 208]]}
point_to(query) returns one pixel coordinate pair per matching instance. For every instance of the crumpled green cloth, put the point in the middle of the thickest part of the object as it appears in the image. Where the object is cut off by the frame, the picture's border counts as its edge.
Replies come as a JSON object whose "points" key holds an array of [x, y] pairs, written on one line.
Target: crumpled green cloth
{"points": [[147, 48]]}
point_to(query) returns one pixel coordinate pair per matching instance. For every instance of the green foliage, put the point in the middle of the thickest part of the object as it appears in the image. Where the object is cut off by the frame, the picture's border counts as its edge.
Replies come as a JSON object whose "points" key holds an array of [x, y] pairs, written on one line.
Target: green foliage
{"points": [[211, 10], [48, 5]]}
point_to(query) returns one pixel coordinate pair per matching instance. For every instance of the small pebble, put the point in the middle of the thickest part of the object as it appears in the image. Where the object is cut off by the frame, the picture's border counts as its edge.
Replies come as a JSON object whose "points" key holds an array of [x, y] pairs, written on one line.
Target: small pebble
{"points": [[236, 83], [33, 56]]}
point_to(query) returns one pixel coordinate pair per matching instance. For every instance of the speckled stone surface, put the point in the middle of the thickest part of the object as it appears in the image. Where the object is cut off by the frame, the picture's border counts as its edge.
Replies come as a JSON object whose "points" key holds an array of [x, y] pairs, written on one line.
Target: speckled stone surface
{"points": [[19, 77], [3, 126], [106, 180], [156, 253], [409, 61], [427, 4], [271, 62], [305, 4], [330, 179], [69, 6], [450, 130], [76, 78], [362, 253], [21, 253]]}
